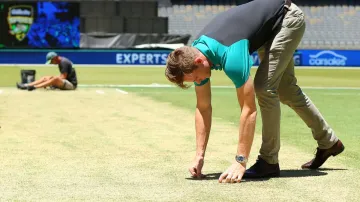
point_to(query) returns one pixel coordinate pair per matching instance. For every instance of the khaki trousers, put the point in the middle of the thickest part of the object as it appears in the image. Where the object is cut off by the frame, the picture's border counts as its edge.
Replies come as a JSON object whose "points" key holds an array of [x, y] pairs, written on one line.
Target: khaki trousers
{"points": [[275, 82]]}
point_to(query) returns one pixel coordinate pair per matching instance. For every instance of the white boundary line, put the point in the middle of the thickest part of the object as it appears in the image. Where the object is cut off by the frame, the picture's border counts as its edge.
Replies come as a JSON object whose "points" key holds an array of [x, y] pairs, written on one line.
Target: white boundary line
{"points": [[330, 88], [335, 94], [84, 65], [121, 91], [159, 66], [172, 86], [100, 92]]}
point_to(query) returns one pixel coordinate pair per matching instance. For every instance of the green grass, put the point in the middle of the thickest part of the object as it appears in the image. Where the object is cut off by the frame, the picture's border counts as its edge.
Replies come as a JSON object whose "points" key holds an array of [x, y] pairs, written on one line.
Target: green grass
{"points": [[116, 75], [339, 107], [96, 147], [86, 146]]}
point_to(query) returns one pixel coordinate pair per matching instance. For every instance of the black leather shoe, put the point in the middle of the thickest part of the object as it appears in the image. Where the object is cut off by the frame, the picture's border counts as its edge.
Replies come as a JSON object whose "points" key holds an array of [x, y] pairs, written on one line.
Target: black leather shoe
{"points": [[31, 88], [262, 169], [323, 154]]}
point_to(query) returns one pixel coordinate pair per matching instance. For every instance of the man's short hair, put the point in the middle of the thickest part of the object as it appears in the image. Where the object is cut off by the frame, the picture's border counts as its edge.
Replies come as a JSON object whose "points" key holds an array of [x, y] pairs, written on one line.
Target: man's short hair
{"points": [[179, 63]]}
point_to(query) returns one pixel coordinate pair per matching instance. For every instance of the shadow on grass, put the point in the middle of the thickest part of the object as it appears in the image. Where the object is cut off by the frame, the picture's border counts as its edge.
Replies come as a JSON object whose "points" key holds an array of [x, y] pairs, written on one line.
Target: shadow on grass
{"points": [[301, 173], [331, 169], [210, 176], [283, 174]]}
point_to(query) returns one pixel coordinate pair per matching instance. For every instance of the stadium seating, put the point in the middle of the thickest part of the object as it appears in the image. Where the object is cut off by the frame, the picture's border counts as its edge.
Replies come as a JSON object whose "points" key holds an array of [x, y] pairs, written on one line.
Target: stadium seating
{"points": [[328, 26]]}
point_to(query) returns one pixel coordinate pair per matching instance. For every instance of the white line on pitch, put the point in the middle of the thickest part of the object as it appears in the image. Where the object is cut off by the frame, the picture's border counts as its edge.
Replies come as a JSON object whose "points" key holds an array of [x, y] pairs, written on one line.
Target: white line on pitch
{"points": [[172, 86], [342, 94], [121, 91], [100, 92]]}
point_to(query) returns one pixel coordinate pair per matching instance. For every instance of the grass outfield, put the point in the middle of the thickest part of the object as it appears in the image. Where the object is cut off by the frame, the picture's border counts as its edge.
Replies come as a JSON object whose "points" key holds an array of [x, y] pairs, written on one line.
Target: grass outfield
{"points": [[116, 75], [337, 106], [97, 144]]}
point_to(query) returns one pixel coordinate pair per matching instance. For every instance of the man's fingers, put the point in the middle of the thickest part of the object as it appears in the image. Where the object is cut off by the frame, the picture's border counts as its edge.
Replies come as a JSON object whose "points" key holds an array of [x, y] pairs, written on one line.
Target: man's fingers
{"points": [[198, 174], [195, 172], [222, 177], [234, 179], [192, 171], [239, 177], [228, 178]]}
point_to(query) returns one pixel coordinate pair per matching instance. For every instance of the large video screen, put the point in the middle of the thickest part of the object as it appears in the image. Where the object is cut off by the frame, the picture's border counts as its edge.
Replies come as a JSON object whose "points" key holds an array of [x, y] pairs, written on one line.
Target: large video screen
{"points": [[39, 25]]}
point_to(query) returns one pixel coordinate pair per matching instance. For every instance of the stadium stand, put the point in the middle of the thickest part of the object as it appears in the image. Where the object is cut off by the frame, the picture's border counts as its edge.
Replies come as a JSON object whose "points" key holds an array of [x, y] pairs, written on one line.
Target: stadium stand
{"points": [[330, 24]]}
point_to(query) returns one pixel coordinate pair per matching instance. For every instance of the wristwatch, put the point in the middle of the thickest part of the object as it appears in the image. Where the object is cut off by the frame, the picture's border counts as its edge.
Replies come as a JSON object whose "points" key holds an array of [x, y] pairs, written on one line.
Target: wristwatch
{"points": [[241, 159]]}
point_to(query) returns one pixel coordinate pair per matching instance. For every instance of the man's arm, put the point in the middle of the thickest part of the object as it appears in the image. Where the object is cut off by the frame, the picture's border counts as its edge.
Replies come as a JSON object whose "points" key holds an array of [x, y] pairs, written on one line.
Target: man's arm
{"points": [[246, 98], [203, 116]]}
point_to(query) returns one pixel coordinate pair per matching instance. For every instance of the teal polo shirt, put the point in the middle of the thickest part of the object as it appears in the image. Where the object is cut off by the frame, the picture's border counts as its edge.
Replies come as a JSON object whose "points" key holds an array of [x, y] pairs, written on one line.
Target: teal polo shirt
{"points": [[234, 60]]}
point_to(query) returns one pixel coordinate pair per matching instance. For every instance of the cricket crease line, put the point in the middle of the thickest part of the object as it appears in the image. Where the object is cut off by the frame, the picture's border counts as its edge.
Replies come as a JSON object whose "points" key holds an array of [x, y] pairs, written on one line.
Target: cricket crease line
{"points": [[100, 92], [122, 91], [172, 86]]}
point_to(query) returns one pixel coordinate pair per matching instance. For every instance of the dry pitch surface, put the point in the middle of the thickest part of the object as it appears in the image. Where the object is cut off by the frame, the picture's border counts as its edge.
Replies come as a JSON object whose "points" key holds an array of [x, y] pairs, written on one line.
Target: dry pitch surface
{"points": [[103, 145]]}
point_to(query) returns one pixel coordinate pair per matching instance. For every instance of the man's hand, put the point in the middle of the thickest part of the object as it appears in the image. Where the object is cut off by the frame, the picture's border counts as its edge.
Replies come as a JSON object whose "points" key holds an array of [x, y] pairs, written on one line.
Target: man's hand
{"points": [[233, 174], [196, 167]]}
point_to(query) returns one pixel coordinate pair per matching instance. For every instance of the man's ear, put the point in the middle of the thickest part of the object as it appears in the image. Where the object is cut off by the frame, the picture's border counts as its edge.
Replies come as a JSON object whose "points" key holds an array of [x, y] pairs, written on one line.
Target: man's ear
{"points": [[198, 60]]}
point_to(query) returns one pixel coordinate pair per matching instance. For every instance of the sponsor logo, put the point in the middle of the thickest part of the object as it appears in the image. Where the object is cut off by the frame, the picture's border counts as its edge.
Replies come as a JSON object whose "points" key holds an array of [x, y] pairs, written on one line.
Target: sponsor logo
{"points": [[297, 60], [255, 58], [20, 19], [327, 58], [141, 58]]}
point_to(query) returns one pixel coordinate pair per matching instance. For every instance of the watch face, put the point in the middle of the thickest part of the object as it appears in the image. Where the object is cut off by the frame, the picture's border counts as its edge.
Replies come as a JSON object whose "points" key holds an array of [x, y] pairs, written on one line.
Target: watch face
{"points": [[240, 159]]}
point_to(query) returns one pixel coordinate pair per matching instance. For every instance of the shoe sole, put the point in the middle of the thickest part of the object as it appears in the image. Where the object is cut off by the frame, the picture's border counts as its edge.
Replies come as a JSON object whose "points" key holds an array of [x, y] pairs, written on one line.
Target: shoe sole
{"points": [[274, 175], [19, 87], [271, 175]]}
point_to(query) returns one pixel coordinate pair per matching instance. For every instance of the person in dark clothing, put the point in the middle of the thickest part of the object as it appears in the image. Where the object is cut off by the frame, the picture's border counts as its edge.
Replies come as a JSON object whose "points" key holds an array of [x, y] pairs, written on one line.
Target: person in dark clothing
{"points": [[66, 81]]}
